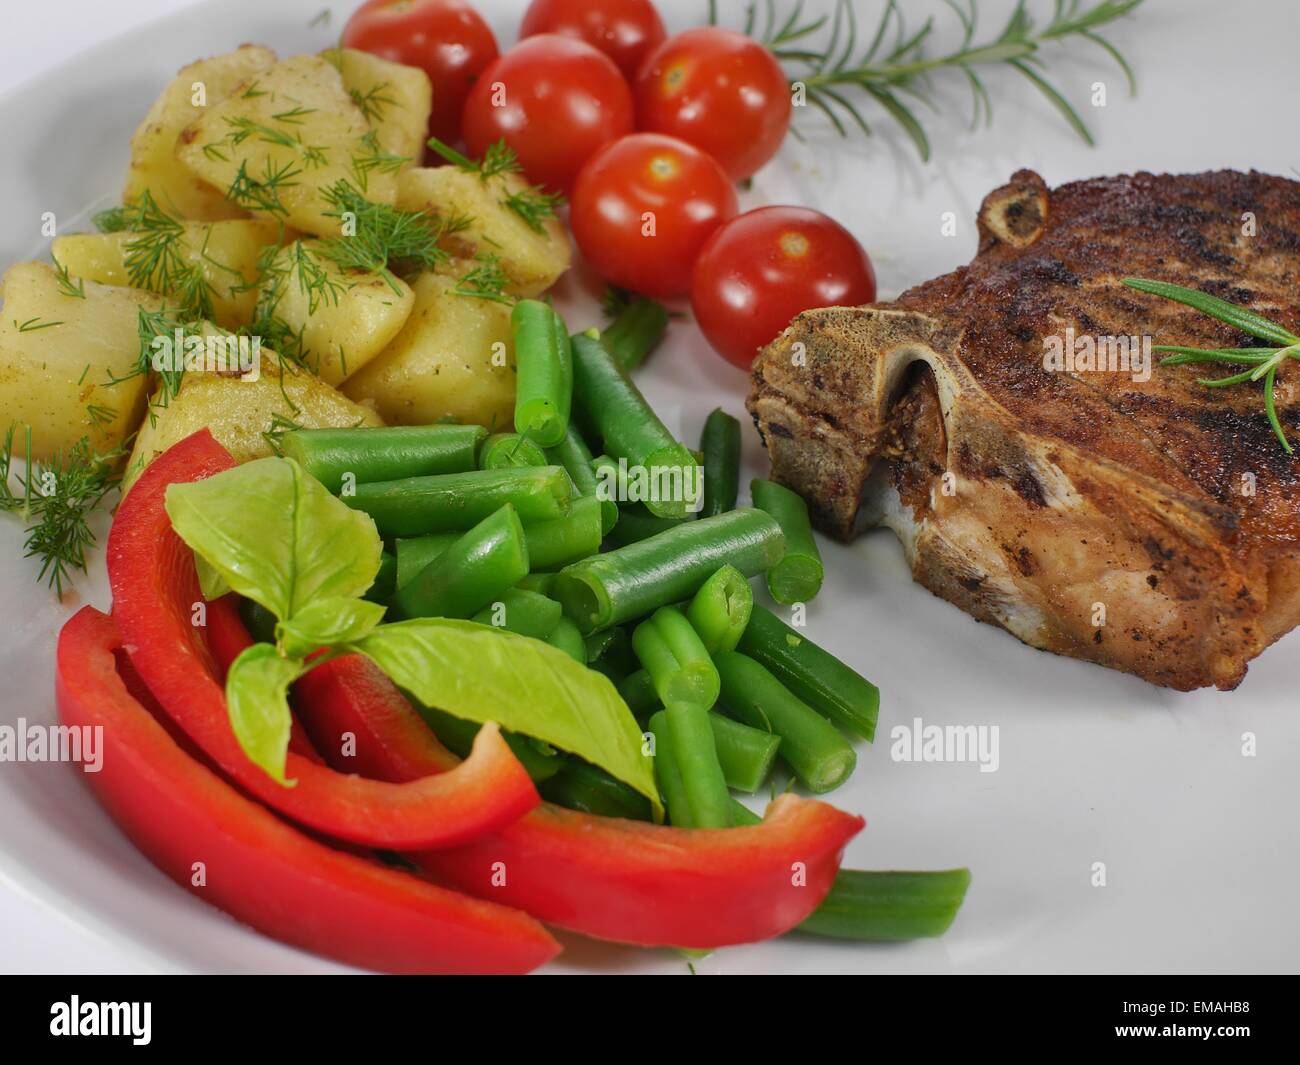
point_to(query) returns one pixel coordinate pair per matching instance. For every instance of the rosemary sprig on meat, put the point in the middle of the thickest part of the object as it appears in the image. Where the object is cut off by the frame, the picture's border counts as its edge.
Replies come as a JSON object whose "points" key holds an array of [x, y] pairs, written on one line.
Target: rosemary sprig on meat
{"points": [[1262, 362], [893, 63]]}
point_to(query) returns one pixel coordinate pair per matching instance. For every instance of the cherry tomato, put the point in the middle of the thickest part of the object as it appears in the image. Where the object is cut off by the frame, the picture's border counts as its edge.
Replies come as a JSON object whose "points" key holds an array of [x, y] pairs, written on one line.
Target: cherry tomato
{"points": [[447, 39], [555, 101], [625, 30], [765, 266], [642, 209], [719, 90]]}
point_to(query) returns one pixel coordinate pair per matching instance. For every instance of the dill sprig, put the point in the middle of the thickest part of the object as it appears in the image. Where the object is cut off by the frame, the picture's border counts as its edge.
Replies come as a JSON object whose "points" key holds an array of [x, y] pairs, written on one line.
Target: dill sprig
{"points": [[56, 500], [484, 281], [263, 193], [379, 239], [68, 285], [375, 158], [532, 203], [155, 255], [893, 63], [1262, 363], [373, 101]]}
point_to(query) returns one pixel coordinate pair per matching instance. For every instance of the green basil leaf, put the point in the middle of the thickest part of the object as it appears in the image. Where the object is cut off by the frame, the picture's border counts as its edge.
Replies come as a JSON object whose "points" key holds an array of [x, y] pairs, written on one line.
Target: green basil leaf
{"points": [[327, 623], [257, 694], [211, 583], [484, 674], [276, 535]]}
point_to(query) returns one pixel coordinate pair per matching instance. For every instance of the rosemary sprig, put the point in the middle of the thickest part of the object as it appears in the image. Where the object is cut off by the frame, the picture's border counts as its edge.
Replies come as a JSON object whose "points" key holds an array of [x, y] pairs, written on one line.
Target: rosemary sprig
{"points": [[532, 203], [1262, 363], [56, 500], [824, 57]]}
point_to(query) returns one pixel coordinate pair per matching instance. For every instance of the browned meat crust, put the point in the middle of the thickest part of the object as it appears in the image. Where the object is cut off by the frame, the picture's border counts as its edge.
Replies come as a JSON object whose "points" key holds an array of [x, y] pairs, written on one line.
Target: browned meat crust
{"points": [[1151, 526]]}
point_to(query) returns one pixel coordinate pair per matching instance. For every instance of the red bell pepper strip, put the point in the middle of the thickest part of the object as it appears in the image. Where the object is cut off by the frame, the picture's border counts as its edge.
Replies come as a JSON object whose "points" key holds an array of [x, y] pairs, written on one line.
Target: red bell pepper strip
{"points": [[257, 867], [154, 591], [605, 877]]}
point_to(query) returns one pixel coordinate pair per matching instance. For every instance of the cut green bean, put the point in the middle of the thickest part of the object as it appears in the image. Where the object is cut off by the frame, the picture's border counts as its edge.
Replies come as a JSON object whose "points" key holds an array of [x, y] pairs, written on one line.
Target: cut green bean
{"points": [[385, 582], [636, 332], [418, 506], [415, 552], [544, 372], [505, 451], [671, 651], [638, 691], [615, 587], [820, 757], [635, 524], [581, 786], [383, 454], [797, 578], [720, 443], [556, 543], [540, 760], [815, 675], [720, 609], [568, 639], [525, 613], [631, 430], [742, 816], [889, 906], [473, 572], [746, 754], [667, 775], [575, 456], [610, 651], [541, 583], [690, 738]]}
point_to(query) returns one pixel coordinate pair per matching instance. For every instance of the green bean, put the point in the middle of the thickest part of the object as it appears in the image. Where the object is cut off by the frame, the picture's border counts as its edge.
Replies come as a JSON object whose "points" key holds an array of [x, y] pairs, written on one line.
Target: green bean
{"points": [[797, 578], [629, 428], [815, 675], [568, 639], [541, 583], [691, 740], [635, 524], [720, 443], [636, 332], [889, 906], [504, 451], [610, 651], [474, 571], [417, 506], [556, 543], [385, 582], [720, 609], [525, 613], [620, 585], [383, 454], [746, 754], [820, 757], [415, 552], [667, 774], [638, 691], [575, 456], [544, 372], [672, 653], [540, 761], [742, 816], [581, 786]]}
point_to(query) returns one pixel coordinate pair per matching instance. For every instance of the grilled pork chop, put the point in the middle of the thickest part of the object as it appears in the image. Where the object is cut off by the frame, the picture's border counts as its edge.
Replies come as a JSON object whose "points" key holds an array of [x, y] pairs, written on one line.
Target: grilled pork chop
{"points": [[1150, 525]]}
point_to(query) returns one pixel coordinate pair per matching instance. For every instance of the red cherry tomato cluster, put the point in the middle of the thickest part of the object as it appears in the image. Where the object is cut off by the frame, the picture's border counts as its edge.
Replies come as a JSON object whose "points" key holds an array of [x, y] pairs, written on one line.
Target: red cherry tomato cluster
{"points": [[646, 134]]}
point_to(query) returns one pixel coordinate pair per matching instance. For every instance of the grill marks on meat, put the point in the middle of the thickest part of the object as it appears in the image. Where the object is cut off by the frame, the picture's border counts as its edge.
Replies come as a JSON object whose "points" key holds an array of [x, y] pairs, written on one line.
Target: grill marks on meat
{"points": [[1044, 502]]}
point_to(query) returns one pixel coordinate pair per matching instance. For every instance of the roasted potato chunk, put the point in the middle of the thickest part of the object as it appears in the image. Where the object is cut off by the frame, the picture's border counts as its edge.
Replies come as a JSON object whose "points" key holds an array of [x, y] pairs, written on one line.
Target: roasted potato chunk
{"points": [[452, 360], [395, 99], [533, 258], [154, 165], [60, 353]]}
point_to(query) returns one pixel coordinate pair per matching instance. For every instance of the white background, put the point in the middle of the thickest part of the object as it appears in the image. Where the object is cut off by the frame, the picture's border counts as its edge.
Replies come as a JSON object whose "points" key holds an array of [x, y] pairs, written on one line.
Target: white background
{"points": [[1200, 841]]}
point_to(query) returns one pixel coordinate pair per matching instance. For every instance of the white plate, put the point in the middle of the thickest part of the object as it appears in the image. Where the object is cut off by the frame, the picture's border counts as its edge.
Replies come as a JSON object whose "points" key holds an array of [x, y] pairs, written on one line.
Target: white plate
{"points": [[1095, 766]]}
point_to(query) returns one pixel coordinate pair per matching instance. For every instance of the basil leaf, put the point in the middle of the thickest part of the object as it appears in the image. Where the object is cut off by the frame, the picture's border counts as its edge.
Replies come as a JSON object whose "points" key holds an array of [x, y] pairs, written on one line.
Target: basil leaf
{"points": [[276, 535], [257, 695], [484, 674], [211, 583], [327, 623]]}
